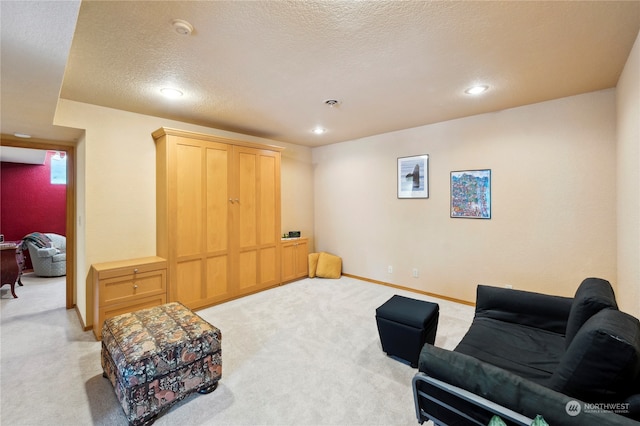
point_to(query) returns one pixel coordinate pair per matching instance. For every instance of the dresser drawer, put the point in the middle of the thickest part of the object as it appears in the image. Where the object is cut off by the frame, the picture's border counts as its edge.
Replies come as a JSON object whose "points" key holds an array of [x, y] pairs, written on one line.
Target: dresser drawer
{"points": [[126, 307], [121, 288], [123, 269]]}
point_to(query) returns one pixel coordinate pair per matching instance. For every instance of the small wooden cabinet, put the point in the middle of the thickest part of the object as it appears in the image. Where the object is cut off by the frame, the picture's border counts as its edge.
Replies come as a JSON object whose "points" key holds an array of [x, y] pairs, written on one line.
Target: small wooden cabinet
{"points": [[295, 262], [126, 286]]}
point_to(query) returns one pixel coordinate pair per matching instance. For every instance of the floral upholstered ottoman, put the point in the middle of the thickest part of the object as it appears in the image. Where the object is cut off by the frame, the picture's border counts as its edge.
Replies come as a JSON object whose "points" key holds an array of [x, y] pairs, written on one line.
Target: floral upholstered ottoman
{"points": [[155, 357]]}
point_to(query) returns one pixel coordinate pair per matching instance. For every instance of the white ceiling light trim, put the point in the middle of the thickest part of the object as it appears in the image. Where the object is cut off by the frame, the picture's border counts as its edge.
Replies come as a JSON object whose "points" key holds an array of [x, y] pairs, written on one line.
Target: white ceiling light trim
{"points": [[171, 93], [319, 130], [476, 90]]}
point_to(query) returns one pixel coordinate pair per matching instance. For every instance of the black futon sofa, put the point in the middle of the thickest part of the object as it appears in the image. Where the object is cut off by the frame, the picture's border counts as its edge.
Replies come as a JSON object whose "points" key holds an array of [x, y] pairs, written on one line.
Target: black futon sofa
{"points": [[574, 361]]}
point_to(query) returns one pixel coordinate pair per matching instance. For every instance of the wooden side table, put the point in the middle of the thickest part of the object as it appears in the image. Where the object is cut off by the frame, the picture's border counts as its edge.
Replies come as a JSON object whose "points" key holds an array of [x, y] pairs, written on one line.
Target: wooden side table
{"points": [[10, 269]]}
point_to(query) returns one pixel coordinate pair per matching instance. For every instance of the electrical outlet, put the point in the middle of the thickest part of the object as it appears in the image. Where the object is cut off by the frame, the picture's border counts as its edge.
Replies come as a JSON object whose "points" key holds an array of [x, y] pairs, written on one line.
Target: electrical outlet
{"points": [[415, 273], [390, 269]]}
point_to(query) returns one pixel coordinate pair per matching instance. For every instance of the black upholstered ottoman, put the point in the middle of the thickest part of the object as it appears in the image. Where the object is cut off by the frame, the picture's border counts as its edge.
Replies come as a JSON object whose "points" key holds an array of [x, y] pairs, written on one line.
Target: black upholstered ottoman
{"points": [[405, 325]]}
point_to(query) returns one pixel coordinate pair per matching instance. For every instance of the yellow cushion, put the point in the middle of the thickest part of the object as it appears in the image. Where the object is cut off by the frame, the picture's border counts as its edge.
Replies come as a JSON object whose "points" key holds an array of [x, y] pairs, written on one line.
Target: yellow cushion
{"points": [[313, 264], [329, 266]]}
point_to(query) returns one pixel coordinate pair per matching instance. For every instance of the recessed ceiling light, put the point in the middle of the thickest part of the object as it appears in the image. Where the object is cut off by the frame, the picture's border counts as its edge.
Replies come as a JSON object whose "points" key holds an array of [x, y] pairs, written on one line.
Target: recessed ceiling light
{"points": [[332, 102], [476, 90], [171, 93], [22, 135], [319, 130]]}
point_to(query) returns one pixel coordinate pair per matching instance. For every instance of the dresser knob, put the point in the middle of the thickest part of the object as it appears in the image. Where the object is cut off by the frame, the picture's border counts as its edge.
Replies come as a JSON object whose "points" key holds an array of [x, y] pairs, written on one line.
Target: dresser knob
{"points": [[135, 286], [135, 271]]}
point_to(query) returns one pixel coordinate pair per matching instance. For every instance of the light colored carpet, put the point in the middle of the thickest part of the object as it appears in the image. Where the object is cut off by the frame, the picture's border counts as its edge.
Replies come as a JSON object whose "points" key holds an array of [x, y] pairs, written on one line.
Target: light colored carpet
{"points": [[306, 353]]}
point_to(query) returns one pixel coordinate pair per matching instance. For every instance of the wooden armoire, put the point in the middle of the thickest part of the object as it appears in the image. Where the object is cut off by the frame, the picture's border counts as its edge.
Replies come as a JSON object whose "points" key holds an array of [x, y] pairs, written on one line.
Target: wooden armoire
{"points": [[218, 216]]}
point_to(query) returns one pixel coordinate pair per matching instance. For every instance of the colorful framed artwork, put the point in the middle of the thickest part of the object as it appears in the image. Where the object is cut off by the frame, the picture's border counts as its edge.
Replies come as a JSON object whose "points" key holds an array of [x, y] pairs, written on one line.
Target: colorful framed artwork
{"points": [[413, 176], [471, 194]]}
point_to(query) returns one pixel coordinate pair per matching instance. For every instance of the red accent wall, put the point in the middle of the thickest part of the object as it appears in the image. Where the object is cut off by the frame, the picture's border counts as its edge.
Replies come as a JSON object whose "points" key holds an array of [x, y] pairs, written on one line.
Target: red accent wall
{"points": [[29, 202]]}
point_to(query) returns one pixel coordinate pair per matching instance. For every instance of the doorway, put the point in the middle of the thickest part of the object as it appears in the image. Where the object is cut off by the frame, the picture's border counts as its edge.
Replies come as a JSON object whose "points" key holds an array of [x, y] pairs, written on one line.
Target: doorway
{"points": [[69, 148]]}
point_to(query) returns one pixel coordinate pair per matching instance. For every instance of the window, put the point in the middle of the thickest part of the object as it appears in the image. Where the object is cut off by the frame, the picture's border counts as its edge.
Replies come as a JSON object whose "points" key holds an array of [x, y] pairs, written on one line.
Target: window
{"points": [[59, 168]]}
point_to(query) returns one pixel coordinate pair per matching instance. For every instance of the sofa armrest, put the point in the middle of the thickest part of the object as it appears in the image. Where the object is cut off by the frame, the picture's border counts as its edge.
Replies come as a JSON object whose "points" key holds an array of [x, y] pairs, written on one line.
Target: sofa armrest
{"points": [[47, 252], [524, 307], [509, 390], [433, 401], [602, 363]]}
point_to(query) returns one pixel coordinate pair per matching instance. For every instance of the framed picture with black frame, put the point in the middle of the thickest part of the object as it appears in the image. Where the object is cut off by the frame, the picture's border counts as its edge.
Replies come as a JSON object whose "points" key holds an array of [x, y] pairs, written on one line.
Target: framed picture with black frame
{"points": [[471, 194], [413, 176]]}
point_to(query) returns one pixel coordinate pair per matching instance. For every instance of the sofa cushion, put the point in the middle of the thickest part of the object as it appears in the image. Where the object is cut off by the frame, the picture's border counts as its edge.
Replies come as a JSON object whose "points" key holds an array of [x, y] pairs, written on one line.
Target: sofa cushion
{"points": [[603, 361], [593, 295], [525, 308], [526, 351], [329, 266]]}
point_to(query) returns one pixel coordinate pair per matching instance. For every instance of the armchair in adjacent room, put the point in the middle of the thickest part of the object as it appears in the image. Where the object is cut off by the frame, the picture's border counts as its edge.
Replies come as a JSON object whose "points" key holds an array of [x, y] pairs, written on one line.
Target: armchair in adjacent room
{"points": [[48, 253]]}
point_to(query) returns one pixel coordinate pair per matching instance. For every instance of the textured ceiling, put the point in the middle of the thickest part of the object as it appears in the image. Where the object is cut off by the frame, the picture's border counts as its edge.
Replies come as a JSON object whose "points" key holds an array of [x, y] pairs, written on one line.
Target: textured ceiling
{"points": [[266, 68], [35, 39]]}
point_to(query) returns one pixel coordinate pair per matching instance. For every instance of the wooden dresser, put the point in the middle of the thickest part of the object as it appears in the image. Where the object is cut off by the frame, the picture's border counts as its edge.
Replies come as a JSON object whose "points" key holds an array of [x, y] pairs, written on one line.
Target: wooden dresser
{"points": [[126, 286]]}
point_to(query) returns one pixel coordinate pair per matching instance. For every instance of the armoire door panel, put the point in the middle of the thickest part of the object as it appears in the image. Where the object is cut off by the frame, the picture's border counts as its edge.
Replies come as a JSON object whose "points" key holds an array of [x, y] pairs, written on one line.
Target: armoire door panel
{"points": [[217, 276], [267, 215], [189, 282], [218, 203], [247, 205], [189, 202], [247, 213], [268, 267], [248, 263]]}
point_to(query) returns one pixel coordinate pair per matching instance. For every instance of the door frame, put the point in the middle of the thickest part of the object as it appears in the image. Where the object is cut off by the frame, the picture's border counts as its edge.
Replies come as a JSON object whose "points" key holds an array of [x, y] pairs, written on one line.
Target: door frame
{"points": [[70, 149]]}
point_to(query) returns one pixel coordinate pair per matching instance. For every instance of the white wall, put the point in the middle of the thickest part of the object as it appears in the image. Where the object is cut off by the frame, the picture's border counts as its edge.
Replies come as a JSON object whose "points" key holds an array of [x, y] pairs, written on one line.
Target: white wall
{"points": [[117, 185], [297, 191], [79, 297], [628, 183], [553, 221]]}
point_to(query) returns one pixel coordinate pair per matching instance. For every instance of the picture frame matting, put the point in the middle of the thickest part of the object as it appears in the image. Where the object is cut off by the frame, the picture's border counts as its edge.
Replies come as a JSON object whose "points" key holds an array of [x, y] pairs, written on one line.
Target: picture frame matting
{"points": [[471, 194], [413, 176]]}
